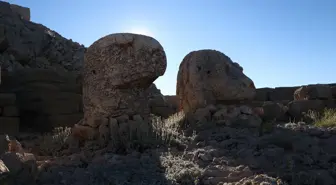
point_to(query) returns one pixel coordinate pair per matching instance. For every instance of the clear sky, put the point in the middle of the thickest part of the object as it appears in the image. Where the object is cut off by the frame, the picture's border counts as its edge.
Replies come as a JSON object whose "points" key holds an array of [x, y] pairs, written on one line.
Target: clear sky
{"points": [[277, 42]]}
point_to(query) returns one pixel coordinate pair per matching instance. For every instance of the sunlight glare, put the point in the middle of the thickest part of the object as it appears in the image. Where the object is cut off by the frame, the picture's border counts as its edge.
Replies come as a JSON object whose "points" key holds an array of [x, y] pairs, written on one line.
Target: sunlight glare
{"points": [[142, 31]]}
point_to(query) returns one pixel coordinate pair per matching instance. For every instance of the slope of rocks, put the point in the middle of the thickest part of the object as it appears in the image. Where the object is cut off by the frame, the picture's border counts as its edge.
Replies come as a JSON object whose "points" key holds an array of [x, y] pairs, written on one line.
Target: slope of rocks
{"points": [[24, 44]]}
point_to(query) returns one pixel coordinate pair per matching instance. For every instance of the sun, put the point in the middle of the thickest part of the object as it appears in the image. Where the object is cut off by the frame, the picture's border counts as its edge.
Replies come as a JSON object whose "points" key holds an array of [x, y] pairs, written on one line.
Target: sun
{"points": [[141, 31]]}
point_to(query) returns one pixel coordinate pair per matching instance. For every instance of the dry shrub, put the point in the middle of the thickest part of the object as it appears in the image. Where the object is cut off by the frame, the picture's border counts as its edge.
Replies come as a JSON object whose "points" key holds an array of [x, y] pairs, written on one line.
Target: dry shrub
{"points": [[181, 171], [326, 119], [53, 143]]}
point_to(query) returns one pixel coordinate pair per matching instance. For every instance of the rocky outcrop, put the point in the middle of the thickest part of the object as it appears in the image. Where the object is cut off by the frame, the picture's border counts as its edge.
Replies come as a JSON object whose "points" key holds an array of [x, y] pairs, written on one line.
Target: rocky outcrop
{"points": [[9, 114], [118, 69], [23, 12], [24, 44], [208, 76]]}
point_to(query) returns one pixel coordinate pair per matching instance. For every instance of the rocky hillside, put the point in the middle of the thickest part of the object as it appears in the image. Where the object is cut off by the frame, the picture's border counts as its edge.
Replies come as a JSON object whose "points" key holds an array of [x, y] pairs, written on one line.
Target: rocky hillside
{"points": [[25, 44]]}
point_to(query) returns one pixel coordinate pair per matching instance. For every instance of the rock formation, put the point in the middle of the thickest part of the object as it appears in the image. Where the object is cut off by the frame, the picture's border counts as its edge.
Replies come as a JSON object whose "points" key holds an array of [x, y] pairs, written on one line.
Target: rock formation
{"points": [[24, 44], [118, 68], [208, 76], [21, 11]]}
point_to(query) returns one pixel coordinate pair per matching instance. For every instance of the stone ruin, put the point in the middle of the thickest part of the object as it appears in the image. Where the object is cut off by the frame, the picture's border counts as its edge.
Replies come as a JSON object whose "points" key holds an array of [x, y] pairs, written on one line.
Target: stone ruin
{"points": [[47, 83]]}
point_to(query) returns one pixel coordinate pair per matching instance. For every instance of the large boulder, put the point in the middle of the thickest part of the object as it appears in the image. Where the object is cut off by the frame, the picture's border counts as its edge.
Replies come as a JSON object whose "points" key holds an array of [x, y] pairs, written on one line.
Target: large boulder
{"points": [[118, 69], [209, 76], [313, 92]]}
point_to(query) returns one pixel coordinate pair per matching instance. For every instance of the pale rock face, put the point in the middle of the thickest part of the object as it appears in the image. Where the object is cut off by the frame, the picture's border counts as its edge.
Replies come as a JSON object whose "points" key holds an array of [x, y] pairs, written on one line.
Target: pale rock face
{"points": [[118, 68], [125, 60], [313, 92], [208, 76]]}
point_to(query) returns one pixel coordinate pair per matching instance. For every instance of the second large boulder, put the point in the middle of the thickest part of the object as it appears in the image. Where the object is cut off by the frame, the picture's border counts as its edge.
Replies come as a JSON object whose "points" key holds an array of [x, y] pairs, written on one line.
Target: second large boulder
{"points": [[209, 76]]}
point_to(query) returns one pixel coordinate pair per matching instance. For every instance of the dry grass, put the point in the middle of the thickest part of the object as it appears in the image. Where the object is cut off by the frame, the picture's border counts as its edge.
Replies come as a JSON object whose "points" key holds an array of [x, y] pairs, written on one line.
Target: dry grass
{"points": [[326, 119], [148, 135], [181, 171], [53, 143], [136, 135]]}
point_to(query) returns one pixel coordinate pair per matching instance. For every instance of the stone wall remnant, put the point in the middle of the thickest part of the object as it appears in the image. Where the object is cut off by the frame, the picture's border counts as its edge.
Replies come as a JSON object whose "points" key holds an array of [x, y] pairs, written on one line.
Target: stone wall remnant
{"points": [[9, 114], [313, 92], [45, 98]]}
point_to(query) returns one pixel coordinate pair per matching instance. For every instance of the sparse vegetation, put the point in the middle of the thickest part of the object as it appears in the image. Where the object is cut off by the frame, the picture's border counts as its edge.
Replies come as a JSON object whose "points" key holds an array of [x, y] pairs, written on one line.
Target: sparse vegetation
{"points": [[326, 119], [54, 142], [158, 132], [181, 171]]}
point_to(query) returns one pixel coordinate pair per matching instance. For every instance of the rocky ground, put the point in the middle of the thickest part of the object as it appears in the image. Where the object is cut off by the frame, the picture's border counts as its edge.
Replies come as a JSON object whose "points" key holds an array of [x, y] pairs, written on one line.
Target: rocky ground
{"points": [[213, 153]]}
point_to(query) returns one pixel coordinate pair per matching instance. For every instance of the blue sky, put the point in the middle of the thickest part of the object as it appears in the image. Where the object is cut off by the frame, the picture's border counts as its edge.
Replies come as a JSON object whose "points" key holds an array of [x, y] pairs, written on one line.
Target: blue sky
{"points": [[278, 42]]}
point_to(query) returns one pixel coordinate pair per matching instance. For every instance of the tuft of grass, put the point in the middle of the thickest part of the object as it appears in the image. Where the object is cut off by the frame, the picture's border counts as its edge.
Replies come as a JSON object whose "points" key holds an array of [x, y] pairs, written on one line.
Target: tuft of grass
{"points": [[53, 143], [326, 119]]}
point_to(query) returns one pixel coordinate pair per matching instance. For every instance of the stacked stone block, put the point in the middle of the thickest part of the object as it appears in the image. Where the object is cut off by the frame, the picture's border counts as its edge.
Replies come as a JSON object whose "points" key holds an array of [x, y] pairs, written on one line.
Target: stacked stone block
{"points": [[46, 98], [9, 114]]}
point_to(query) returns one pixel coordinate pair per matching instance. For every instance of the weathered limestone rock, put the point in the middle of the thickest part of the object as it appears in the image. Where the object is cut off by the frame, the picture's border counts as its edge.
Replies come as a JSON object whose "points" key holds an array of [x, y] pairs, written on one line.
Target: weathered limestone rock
{"points": [[208, 76], [313, 92], [22, 11], [118, 68], [25, 44]]}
